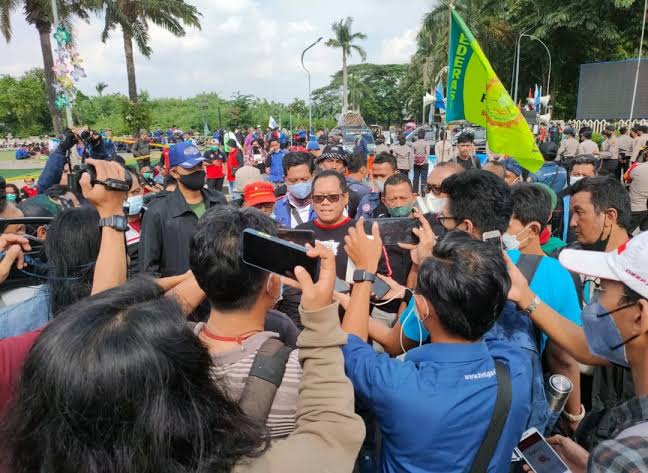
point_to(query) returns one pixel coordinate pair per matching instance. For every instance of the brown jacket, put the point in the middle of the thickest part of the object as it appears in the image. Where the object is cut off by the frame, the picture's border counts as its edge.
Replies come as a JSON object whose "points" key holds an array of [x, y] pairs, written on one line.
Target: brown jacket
{"points": [[568, 148], [610, 149], [328, 433]]}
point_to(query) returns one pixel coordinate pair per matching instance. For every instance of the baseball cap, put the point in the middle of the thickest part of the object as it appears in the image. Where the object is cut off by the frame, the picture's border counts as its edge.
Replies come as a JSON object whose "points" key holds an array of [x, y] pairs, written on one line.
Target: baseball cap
{"points": [[312, 146], [627, 264], [512, 165], [185, 155], [335, 152], [245, 176], [258, 193], [549, 150]]}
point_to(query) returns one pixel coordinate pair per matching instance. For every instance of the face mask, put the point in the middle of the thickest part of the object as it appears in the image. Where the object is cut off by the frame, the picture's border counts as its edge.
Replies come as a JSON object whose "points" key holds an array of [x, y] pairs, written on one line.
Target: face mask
{"points": [[11, 197], [412, 310], [435, 204], [300, 190], [147, 175], [511, 242], [600, 244], [402, 211], [135, 204], [379, 185], [194, 181], [602, 334], [574, 179], [214, 148], [255, 149]]}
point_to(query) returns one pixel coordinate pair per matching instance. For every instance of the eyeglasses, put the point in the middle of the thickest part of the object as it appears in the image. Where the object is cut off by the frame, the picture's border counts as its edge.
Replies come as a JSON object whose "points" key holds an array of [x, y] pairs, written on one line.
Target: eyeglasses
{"points": [[264, 205], [435, 189], [441, 219], [332, 198]]}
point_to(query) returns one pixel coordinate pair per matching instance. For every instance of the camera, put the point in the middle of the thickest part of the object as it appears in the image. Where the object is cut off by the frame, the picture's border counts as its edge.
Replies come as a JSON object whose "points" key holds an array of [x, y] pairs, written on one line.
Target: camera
{"points": [[111, 184]]}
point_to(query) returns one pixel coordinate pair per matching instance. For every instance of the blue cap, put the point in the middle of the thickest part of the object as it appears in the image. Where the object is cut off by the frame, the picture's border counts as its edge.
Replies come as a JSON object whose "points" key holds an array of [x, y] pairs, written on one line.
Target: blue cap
{"points": [[186, 155], [512, 165], [312, 146]]}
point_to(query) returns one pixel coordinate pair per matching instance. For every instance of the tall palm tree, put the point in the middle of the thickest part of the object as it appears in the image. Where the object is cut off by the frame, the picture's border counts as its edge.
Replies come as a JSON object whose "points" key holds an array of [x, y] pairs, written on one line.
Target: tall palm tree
{"points": [[133, 17], [100, 87], [344, 39], [39, 14]]}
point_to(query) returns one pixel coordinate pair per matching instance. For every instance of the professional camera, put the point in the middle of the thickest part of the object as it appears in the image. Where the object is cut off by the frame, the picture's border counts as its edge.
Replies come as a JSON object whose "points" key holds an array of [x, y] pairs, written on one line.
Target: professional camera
{"points": [[110, 184]]}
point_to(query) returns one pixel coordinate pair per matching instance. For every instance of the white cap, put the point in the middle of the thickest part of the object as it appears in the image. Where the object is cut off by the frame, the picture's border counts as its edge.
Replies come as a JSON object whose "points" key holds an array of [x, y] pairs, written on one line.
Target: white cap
{"points": [[627, 264]]}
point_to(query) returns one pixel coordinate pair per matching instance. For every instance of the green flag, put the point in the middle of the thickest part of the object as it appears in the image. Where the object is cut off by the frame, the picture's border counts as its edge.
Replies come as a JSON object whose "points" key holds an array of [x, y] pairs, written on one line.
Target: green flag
{"points": [[475, 94]]}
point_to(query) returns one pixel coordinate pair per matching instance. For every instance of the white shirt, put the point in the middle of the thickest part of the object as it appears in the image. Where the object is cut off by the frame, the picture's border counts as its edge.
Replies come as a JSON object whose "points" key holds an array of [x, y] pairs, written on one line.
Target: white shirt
{"points": [[304, 213]]}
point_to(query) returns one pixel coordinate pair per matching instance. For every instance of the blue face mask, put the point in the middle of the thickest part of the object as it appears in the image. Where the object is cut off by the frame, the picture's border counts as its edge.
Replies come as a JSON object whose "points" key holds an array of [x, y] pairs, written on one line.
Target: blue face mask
{"points": [[135, 204], [411, 323], [301, 190], [602, 334]]}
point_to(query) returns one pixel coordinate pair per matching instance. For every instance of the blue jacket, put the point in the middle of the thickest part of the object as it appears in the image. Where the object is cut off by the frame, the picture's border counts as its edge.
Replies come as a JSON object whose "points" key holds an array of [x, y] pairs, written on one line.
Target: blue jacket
{"points": [[276, 166], [52, 171], [552, 175], [282, 212], [25, 316], [368, 204]]}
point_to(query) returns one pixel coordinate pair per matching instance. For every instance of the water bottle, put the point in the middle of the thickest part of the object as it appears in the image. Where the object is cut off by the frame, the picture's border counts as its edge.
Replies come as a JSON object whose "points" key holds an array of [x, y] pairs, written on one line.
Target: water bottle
{"points": [[557, 390]]}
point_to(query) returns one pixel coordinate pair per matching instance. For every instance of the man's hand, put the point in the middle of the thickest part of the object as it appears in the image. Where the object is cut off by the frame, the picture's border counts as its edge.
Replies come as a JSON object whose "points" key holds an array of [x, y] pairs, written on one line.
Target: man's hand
{"points": [[575, 456], [13, 247], [107, 202], [396, 290], [365, 252], [427, 240], [320, 294]]}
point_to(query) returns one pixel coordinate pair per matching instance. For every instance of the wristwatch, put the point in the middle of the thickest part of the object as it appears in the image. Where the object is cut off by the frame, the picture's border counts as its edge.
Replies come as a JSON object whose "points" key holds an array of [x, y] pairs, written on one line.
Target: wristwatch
{"points": [[575, 418], [360, 275], [533, 306], [117, 222]]}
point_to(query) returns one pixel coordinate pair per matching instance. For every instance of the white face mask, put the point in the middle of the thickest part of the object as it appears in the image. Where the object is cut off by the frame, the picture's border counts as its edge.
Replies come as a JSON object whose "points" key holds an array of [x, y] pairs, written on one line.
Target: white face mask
{"points": [[511, 242], [435, 204], [574, 179], [379, 185]]}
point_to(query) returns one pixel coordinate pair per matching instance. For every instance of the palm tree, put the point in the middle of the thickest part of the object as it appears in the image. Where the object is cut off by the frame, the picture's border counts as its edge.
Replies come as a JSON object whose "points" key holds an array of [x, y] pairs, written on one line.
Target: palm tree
{"points": [[133, 17], [39, 14], [344, 39], [100, 87]]}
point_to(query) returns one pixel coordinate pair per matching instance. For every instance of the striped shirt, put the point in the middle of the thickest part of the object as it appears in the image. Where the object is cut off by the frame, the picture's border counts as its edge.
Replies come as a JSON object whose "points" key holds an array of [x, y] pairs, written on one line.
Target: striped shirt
{"points": [[232, 368]]}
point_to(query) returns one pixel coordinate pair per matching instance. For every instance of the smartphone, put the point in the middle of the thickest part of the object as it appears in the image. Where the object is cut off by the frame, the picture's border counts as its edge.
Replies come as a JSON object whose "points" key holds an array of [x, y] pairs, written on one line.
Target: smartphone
{"points": [[342, 286], [278, 256], [394, 230], [539, 455], [379, 287], [494, 238], [301, 237]]}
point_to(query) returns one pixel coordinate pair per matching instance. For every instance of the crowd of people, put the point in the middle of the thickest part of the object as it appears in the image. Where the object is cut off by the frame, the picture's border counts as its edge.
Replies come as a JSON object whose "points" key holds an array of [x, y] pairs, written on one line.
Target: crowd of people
{"points": [[134, 337]]}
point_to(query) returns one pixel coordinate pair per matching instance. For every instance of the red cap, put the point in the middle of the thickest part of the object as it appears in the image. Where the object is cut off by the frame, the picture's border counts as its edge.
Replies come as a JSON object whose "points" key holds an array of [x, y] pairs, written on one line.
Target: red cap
{"points": [[258, 193]]}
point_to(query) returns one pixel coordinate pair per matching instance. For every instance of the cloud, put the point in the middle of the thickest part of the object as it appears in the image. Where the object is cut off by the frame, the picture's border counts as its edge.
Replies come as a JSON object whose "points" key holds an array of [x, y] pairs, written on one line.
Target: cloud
{"points": [[249, 45], [398, 49]]}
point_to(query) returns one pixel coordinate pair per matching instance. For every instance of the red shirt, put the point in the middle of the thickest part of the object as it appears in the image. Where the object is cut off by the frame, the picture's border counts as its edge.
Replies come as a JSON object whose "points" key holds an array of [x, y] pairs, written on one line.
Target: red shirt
{"points": [[30, 191], [232, 162], [13, 353]]}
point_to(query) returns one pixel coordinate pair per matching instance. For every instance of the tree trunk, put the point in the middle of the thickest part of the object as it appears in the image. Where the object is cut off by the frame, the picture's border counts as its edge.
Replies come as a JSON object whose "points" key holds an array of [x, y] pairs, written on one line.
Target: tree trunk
{"points": [[345, 83], [130, 67], [48, 62]]}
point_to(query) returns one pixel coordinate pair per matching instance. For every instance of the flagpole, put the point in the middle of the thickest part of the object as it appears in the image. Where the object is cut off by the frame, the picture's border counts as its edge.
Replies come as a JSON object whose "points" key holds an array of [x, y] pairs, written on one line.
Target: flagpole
{"points": [[450, 7]]}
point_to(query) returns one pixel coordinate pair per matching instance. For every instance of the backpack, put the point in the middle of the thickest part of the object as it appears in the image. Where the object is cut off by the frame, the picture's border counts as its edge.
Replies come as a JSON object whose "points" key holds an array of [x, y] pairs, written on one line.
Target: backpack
{"points": [[265, 377]]}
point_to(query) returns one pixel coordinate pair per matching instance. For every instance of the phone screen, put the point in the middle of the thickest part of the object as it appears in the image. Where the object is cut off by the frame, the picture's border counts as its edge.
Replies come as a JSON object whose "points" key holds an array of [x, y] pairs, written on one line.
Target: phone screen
{"points": [[494, 238], [394, 230], [276, 255], [301, 237], [540, 456]]}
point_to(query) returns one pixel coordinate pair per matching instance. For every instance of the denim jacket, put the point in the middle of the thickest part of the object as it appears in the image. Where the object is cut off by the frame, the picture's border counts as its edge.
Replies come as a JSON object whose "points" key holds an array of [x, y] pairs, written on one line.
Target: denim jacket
{"points": [[25, 316]]}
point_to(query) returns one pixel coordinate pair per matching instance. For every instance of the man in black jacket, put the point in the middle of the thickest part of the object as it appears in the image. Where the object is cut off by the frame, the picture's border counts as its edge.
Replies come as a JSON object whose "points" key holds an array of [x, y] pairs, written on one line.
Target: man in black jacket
{"points": [[170, 221]]}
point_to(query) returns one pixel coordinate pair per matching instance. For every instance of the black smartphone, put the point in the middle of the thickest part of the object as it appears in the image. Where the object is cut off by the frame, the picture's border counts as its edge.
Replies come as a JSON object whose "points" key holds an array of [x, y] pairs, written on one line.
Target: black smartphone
{"points": [[301, 237], [342, 286], [494, 238], [278, 256], [394, 230], [379, 288]]}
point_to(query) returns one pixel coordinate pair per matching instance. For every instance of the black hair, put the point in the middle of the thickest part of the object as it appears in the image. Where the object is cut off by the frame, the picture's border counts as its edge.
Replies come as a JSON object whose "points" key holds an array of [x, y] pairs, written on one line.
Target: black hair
{"points": [[623, 130], [456, 166], [442, 135], [466, 137], [344, 188], [386, 157], [531, 203], [549, 150], [498, 166], [72, 248], [421, 134], [118, 158], [467, 283], [585, 159], [357, 161], [481, 197], [3, 197], [587, 134], [606, 193], [133, 389], [34, 208], [643, 128], [396, 179], [14, 187], [215, 257], [298, 158]]}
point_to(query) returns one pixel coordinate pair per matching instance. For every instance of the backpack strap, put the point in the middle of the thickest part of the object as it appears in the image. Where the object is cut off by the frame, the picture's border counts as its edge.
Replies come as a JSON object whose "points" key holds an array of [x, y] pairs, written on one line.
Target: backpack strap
{"points": [[498, 419], [565, 217], [528, 265], [265, 377]]}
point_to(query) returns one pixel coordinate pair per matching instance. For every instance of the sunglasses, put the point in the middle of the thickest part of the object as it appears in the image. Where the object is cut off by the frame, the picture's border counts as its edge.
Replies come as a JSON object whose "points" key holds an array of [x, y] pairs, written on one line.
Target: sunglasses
{"points": [[264, 205], [435, 189], [332, 198]]}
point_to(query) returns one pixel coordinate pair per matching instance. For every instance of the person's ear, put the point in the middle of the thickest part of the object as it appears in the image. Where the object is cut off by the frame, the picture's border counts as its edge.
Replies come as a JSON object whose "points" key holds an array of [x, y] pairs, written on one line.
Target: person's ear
{"points": [[611, 217], [467, 226], [534, 229], [346, 199], [640, 320], [273, 286], [41, 232]]}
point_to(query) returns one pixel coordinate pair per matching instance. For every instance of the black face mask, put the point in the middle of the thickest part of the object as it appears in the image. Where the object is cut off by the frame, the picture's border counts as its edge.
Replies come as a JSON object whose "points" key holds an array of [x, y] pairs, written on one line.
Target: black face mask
{"points": [[194, 181], [600, 244]]}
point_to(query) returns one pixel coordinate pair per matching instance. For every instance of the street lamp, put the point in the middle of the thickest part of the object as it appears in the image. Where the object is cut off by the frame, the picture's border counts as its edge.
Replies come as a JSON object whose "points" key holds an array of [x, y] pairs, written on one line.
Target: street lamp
{"points": [[517, 63], [310, 102]]}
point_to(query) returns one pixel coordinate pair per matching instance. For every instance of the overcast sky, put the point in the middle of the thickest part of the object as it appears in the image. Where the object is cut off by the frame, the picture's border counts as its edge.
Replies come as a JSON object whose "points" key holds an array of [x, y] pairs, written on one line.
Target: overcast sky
{"points": [[249, 45]]}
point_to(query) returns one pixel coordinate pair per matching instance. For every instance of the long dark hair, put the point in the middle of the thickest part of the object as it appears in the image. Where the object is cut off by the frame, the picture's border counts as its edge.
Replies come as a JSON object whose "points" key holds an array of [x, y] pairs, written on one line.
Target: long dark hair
{"points": [[72, 247], [119, 383]]}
